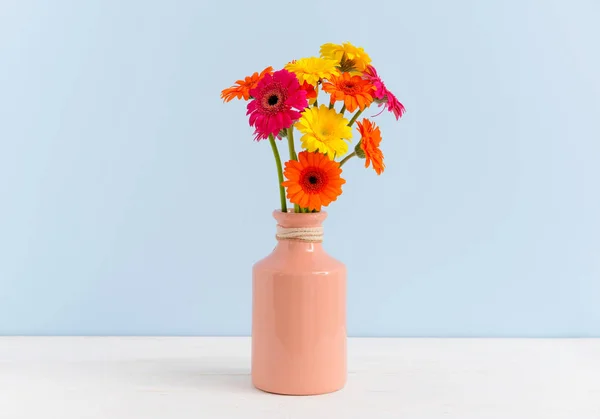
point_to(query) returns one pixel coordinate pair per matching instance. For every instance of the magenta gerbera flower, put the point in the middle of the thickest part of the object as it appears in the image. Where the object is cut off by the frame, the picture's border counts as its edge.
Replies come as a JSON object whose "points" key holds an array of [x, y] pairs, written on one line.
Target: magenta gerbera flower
{"points": [[277, 102], [382, 95]]}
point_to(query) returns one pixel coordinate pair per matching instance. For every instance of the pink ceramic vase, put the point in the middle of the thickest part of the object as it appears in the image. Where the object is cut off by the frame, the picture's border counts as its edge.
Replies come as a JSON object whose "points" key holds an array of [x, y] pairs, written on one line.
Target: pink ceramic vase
{"points": [[299, 315]]}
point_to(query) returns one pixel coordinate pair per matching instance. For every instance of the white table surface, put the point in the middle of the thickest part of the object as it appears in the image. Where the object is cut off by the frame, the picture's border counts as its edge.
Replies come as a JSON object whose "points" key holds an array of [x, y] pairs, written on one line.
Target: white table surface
{"points": [[180, 378]]}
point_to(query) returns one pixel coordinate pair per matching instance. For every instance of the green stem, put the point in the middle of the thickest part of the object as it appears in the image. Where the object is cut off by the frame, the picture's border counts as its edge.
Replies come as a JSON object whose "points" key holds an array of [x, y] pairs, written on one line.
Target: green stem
{"points": [[290, 138], [293, 155], [279, 173], [348, 157], [330, 105], [316, 104], [356, 115], [343, 109]]}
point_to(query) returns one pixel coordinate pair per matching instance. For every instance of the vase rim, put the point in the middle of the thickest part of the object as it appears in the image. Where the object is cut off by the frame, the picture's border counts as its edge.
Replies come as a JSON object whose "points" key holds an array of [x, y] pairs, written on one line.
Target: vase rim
{"points": [[290, 211], [293, 219]]}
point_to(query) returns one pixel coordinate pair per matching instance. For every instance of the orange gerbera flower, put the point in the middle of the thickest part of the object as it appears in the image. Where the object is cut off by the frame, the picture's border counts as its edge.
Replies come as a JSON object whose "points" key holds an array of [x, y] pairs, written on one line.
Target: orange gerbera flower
{"points": [[241, 88], [369, 143], [354, 91], [313, 181]]}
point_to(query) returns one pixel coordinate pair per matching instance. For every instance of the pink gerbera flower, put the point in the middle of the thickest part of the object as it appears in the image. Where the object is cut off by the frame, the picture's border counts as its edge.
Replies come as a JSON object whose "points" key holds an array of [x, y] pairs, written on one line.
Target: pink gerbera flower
{"points": [[382, 95], [278, 100]]}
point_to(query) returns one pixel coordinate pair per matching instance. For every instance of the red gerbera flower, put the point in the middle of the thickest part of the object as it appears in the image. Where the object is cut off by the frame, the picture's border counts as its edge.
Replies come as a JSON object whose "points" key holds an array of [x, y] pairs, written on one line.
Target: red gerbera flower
{"points": [[382, 95], [278, 100], [311, 92]]}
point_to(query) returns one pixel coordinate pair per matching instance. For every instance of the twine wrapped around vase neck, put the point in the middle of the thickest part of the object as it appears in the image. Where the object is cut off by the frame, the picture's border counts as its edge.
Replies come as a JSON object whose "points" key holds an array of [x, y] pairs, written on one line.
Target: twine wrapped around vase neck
{"points": [[304, 234]]}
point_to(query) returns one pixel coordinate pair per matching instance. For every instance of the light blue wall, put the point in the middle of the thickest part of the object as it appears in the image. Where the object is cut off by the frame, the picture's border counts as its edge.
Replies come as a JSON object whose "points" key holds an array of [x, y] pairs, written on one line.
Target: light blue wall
{"points": [[132, 201]]}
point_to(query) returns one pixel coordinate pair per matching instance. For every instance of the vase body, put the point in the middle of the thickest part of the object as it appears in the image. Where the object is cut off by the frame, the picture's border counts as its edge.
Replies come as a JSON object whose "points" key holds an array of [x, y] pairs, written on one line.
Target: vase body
{"points": [[299, 315]]}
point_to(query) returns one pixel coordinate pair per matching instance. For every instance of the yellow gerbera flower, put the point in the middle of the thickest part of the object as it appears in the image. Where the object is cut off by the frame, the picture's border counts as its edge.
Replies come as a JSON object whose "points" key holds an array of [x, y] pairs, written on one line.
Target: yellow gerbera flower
{"points": [[312, 69], [350, 58], [324, 131]]}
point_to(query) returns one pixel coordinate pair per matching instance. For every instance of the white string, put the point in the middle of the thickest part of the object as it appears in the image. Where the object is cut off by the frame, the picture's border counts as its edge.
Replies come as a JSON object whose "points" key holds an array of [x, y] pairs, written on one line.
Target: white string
{"points": [[305, 234]]}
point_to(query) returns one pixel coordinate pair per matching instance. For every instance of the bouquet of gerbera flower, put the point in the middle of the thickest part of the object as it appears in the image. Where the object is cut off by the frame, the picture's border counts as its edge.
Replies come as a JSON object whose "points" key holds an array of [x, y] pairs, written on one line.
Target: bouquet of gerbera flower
{"points": [[282, 100]]}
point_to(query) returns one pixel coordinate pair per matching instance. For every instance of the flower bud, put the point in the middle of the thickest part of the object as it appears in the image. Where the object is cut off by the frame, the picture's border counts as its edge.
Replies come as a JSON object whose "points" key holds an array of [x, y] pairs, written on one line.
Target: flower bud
{"points": [[360, 153]]}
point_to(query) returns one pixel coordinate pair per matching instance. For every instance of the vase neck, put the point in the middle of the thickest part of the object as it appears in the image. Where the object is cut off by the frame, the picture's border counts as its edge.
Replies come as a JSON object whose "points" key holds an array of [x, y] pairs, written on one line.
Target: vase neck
{"points": [[300, 227]]}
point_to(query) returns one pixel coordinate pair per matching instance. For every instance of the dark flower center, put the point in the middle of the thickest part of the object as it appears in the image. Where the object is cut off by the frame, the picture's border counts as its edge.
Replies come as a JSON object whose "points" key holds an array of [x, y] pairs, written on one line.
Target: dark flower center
{"points": [[313, 180], [272, 99]]}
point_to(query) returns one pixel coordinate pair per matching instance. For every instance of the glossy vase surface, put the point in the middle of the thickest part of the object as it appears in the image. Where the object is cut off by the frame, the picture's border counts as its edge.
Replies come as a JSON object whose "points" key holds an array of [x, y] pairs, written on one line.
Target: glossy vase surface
{"points": [[299, 315]]}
